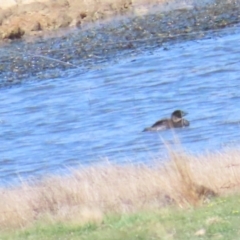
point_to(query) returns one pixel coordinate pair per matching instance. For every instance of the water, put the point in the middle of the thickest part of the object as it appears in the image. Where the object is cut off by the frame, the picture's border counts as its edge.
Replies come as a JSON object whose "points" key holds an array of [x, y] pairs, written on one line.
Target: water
{"points": [[50, 126]]}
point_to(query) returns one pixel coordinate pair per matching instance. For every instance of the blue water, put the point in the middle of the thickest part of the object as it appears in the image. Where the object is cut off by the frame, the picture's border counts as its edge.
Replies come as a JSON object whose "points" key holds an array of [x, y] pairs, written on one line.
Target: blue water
{"points": [[50, 126]]}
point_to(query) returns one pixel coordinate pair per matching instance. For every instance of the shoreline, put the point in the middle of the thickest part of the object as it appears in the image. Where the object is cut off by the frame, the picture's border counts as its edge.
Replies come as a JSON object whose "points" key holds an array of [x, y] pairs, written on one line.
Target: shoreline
{"points": [[81, 48], [31, 20], [20, 19], [34, 18]]}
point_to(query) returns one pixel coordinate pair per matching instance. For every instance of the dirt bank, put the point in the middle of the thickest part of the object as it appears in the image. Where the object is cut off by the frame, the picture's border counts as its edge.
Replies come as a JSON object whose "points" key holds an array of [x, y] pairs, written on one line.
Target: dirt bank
{"points": [[29, 17]]}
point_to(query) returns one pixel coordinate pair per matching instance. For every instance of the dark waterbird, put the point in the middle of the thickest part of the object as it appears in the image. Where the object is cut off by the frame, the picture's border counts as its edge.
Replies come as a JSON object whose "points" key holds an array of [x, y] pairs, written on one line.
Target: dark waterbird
{"points": [[176, 121]]}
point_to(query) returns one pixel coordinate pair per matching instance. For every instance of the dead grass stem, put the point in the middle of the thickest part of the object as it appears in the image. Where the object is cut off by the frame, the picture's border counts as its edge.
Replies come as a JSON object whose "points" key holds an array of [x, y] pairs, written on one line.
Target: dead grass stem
{"points": [[88, 194]]}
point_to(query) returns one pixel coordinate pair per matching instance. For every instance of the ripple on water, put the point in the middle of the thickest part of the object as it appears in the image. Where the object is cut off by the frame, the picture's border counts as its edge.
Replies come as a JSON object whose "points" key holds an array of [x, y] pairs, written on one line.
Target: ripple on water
{"points": [[53, 125]]}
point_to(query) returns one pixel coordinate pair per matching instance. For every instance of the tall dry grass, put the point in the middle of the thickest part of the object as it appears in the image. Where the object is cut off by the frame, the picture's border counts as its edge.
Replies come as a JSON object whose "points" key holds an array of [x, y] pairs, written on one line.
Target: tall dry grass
{"points": [[89, 194]]}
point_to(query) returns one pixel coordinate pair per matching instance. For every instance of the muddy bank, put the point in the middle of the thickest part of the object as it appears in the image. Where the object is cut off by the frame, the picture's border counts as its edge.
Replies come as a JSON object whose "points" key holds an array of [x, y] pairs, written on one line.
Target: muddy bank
{"points": [[90, 47]]}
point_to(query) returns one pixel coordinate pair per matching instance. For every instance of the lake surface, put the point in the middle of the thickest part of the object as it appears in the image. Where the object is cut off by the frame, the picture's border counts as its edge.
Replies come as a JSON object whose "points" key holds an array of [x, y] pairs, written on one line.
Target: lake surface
{"points": [[87, 118]]}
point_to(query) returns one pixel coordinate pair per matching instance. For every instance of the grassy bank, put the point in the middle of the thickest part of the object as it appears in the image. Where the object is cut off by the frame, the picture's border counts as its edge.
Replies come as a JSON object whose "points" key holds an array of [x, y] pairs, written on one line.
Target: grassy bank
{"points": [[219, 219], [142, 200]]}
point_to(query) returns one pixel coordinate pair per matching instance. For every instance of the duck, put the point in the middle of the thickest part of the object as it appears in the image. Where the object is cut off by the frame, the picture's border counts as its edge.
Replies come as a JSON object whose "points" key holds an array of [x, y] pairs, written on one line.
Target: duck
{"points": [[176, 121]]}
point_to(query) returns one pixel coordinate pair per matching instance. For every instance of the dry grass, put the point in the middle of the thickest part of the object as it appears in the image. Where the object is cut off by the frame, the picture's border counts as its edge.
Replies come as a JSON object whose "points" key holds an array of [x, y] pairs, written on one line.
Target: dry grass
{"points": [[88, 194]]}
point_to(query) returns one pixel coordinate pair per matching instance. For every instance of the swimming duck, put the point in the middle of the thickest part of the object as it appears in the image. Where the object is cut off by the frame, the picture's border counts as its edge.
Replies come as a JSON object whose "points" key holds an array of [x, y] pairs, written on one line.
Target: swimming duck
{"points": [[176, 121]]}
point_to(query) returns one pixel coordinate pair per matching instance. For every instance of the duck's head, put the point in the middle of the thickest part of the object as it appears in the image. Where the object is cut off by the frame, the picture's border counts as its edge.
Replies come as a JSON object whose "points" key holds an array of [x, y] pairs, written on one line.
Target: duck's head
{"points": [[178, 115]]}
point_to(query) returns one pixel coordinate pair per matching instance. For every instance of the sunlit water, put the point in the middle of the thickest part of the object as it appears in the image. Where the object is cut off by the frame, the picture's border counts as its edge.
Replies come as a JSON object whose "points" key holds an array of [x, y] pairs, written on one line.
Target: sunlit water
{"points": [[51, 126]]}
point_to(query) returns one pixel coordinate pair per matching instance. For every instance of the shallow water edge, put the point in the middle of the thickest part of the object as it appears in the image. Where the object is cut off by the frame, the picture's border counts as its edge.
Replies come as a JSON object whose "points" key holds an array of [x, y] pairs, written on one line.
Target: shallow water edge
{"points": [[84, 49]]}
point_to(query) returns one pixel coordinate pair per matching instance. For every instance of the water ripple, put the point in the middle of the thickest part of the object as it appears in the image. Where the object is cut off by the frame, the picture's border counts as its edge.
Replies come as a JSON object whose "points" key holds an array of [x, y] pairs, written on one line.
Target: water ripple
{"points": [[83, 119]]}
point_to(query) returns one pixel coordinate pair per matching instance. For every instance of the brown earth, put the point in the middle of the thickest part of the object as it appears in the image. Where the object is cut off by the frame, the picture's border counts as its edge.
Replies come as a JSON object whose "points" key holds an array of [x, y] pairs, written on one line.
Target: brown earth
{"points": [[40, 16]]}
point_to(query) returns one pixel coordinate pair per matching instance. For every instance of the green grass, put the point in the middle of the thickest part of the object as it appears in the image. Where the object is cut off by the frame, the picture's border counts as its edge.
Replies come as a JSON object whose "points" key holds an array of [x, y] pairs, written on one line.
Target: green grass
{"points": [[219, 219]]}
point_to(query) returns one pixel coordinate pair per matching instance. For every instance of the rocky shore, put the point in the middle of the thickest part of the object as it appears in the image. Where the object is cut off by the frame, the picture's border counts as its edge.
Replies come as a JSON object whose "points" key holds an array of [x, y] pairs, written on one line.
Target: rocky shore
{"points": [[31, 17], [20, 18], [90, 47]]}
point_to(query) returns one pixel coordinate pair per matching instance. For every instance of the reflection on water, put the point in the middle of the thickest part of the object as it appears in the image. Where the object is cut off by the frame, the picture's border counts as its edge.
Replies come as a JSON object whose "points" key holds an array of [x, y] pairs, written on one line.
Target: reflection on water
{"points": [[85, 118]]}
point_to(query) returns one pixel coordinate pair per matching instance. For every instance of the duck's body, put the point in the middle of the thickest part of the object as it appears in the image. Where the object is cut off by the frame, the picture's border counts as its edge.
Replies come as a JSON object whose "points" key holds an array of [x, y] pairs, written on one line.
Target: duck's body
{"points": [[176, 121]]}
